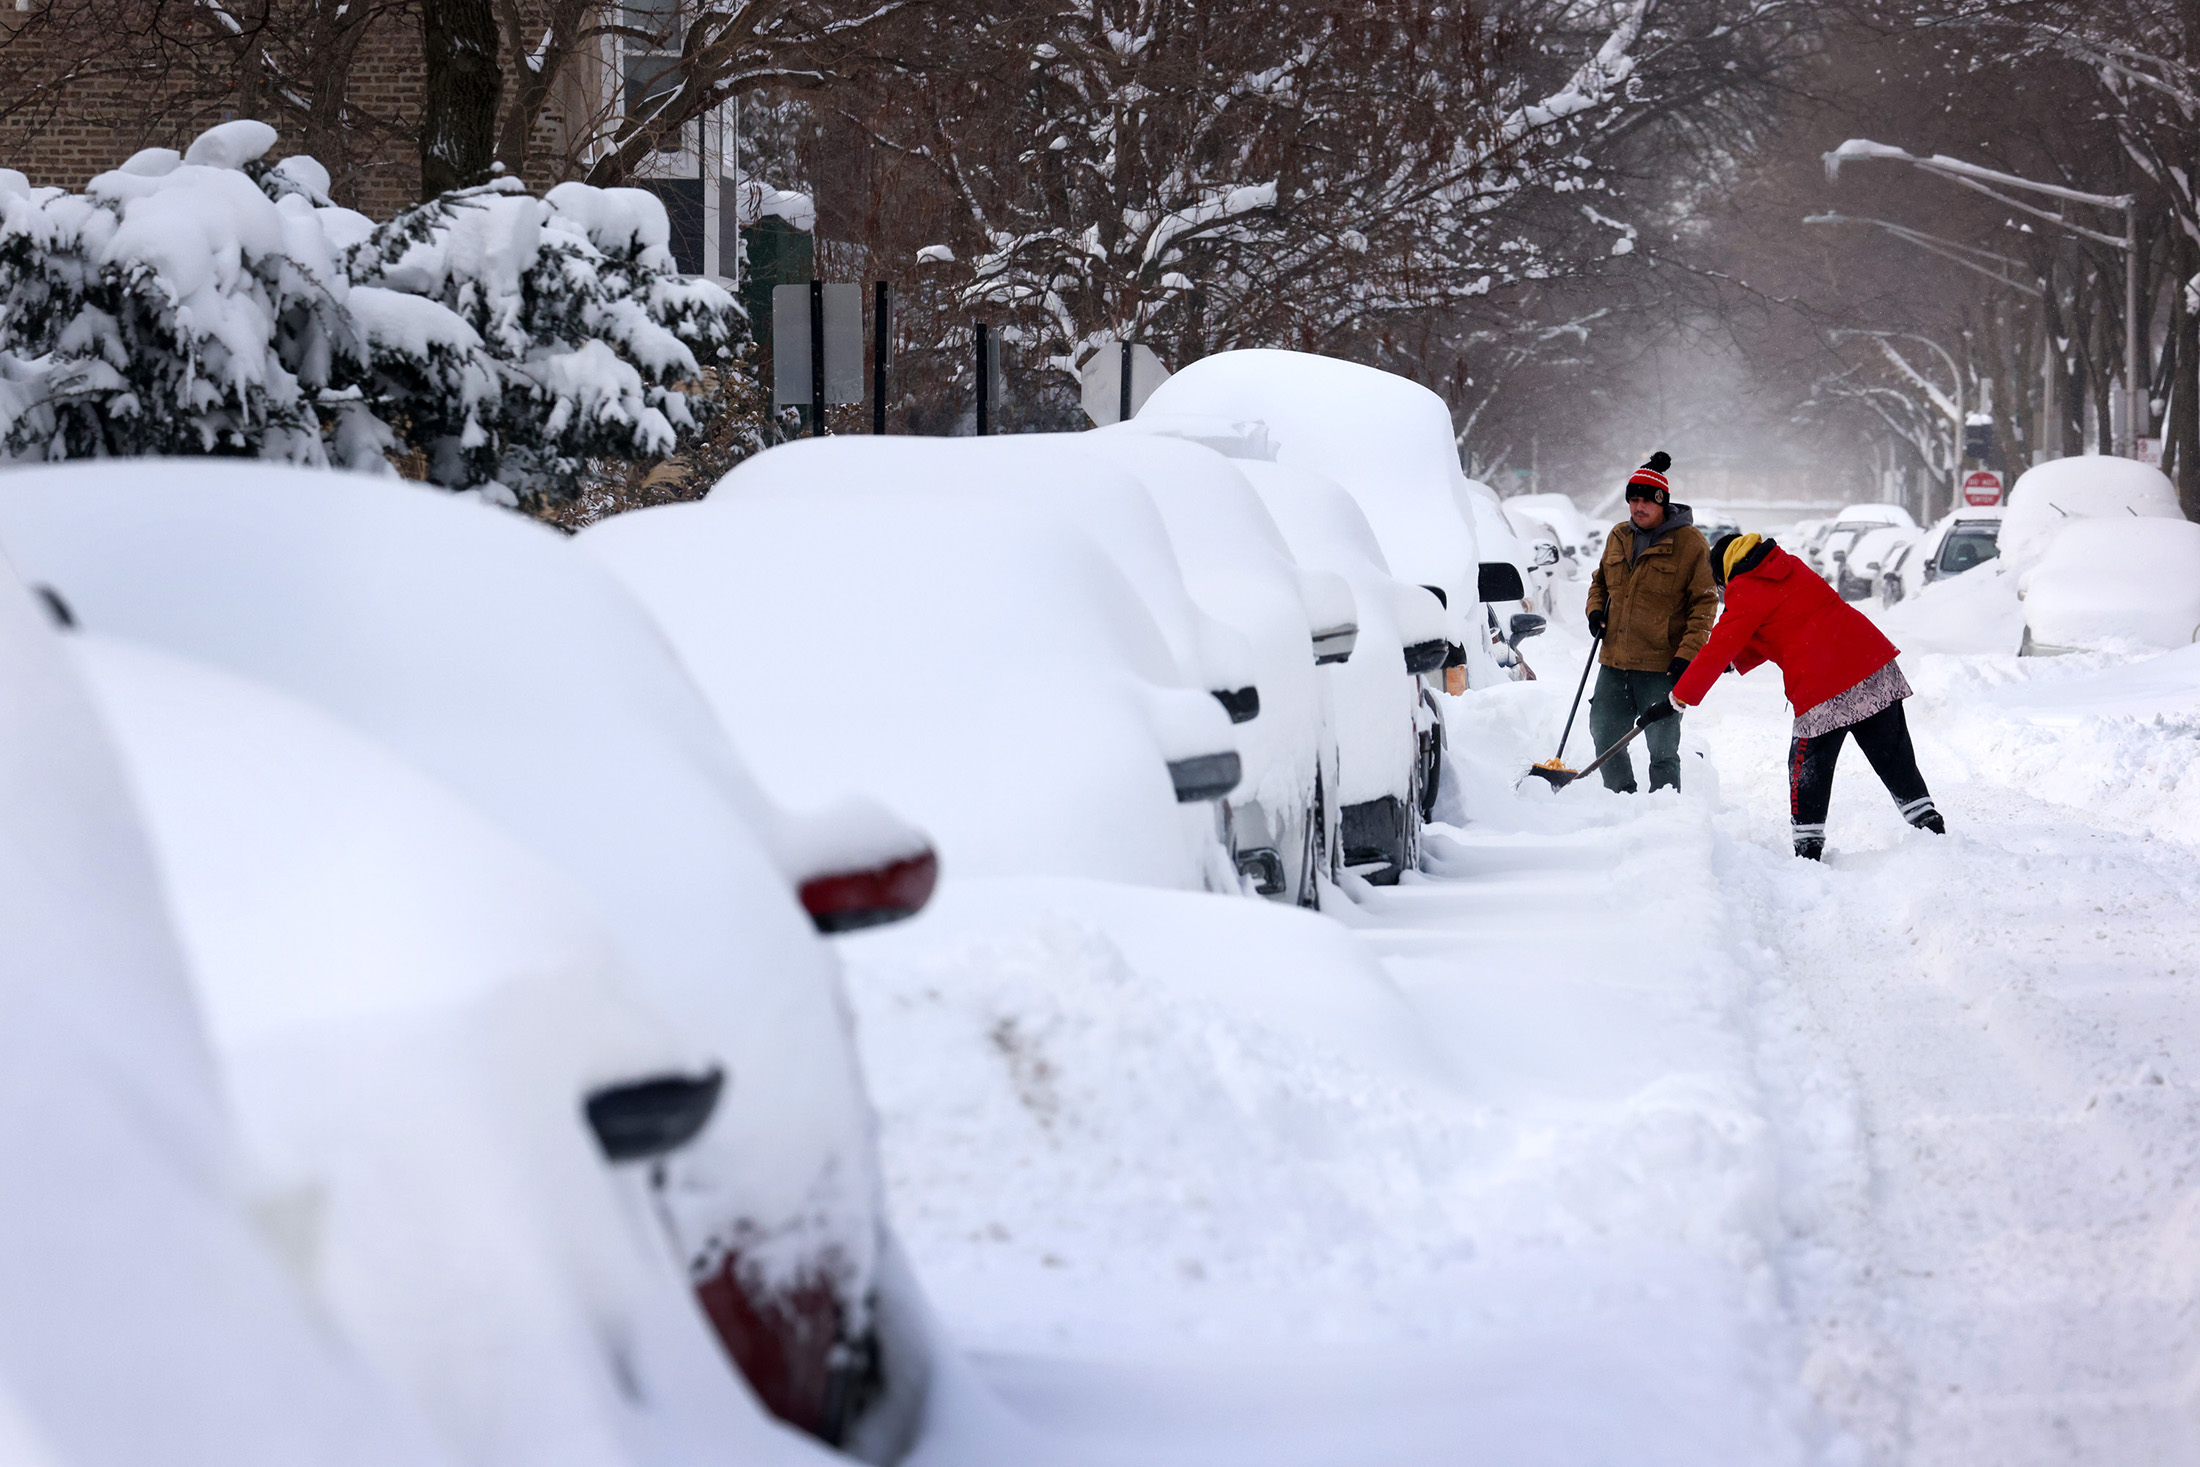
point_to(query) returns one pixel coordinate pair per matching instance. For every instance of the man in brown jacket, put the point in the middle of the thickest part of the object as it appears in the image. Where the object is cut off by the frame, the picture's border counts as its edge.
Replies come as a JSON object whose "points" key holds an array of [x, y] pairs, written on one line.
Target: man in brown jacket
{"points": [[1653, 603]]}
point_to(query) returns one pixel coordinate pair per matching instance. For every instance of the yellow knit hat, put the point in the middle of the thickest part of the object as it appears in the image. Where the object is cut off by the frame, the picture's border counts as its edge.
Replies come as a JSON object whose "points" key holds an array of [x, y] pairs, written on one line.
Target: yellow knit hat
{"points": [[1735, 547]]}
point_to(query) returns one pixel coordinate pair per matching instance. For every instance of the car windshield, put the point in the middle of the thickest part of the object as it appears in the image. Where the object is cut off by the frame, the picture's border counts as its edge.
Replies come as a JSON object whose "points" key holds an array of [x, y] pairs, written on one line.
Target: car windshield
{"points": [[1967, 546]]}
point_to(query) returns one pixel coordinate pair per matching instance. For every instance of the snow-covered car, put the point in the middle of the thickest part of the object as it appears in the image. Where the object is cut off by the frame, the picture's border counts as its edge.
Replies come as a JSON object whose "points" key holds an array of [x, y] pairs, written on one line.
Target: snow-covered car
{"points": [[144, 1317], [499, 660], [1805, 536], [1239, 569], [1858, 576], [1830, 546], [1389, 759], [1514, 579], [1390, 443], [2104, 582], [884, 617], [432, 1056], [1959, 541], [1378, 836], [1579, 539], [2048, 497]]}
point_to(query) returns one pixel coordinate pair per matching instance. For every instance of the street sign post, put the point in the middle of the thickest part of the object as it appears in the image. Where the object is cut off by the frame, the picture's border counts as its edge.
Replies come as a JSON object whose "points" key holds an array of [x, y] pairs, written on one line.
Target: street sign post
{"points": [[1982, 486], [817, 346], [1118, 378]]}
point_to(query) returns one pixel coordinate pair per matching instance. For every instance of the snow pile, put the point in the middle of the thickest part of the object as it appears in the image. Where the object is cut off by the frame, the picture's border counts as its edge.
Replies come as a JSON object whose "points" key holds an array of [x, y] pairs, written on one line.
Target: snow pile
{"points": [[2115, 580], [210, 302], [2114, 737], [2048, 496], [1977, 611]]}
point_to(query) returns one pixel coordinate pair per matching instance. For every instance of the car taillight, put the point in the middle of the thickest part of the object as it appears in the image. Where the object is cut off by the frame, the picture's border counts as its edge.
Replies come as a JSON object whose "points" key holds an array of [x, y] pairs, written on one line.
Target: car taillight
{"points": [[842, 901]]}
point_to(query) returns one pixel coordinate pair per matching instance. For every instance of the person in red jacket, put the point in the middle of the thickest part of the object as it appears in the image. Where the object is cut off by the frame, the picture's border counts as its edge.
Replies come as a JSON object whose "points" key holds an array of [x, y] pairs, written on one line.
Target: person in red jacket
{"points": [[1841, 673]]}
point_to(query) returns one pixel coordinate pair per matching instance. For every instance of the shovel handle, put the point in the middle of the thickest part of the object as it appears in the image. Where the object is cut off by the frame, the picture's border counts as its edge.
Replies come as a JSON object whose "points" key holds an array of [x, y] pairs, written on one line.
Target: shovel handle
{"points": [[1598, 762], [1594, 643]]}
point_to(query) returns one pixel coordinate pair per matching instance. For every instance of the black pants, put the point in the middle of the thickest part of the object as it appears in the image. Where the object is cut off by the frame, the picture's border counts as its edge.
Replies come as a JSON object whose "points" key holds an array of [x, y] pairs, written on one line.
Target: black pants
{"points": [[1885, 739]]}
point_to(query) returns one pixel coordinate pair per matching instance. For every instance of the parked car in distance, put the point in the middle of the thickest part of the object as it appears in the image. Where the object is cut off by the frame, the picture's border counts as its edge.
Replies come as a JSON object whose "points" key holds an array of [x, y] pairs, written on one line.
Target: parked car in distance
{"points": [[486, 650], [1032, 715], [2049, 497], [1830, 545], [1858, 576], [1388, 441]]}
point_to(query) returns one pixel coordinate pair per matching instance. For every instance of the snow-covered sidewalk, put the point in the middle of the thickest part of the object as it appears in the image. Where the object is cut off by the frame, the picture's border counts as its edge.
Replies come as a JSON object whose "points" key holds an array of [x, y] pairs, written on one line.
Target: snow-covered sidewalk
{"points": [[1621, 1136]]}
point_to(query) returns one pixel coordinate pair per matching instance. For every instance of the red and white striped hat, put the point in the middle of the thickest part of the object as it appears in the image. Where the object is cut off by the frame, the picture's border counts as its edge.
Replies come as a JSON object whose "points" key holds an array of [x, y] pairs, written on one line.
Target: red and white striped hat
{"points": [[1651, 476]]}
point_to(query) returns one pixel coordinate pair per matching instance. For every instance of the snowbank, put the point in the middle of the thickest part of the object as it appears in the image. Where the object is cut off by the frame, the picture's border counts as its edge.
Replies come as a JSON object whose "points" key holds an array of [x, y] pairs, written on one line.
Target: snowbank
{"points": [[2110, 580], [1977, 611], [2048, 496]]}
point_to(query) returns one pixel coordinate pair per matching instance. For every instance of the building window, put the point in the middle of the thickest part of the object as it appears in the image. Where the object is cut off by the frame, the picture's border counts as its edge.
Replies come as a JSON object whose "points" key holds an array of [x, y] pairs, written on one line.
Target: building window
{"points": [[650, 64]]}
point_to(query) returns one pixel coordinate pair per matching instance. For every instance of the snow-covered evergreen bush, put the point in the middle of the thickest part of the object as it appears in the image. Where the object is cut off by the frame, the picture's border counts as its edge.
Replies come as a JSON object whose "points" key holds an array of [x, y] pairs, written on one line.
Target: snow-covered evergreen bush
{"points": [[563, 331], [210, 302], [174, 307]]}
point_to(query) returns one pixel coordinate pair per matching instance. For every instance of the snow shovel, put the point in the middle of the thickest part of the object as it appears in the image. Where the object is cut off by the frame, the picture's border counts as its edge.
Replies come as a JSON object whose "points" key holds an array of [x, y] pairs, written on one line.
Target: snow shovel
{"points": [[1554, 768], [1560, 778]]}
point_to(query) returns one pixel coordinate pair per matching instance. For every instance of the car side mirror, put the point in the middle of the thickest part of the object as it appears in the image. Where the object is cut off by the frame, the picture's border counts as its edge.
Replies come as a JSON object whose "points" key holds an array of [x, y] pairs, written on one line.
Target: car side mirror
{"points": [[1526, 624], [1499, 580], [1546, 555]]}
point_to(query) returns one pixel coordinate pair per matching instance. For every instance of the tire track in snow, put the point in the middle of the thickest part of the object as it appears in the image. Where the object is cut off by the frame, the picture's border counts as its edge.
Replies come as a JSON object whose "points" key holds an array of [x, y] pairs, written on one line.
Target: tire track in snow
{"points": [[2002, 1268]]}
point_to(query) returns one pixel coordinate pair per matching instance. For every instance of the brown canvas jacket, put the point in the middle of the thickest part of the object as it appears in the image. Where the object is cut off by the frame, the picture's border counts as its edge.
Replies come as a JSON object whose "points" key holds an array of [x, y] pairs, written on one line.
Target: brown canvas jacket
{"points": [[1661, 605]]}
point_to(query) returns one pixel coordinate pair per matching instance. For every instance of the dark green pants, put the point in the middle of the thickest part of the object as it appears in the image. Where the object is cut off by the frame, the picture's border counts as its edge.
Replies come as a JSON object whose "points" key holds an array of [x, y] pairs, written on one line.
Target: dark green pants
{"points": [[1619, 696]]}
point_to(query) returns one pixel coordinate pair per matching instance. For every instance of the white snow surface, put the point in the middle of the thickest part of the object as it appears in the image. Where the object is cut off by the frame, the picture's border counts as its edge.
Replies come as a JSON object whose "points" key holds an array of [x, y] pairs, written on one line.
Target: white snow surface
{"points": [[500, 660], [408, 1008], [143, 1318], [1615, 1135], [1036, 705], [1388, 441]]}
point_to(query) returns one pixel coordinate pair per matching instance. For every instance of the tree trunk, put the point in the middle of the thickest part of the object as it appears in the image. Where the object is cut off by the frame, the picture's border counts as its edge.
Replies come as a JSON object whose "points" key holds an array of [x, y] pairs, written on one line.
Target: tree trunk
{"points": [[458, 123], [2186, 392]]}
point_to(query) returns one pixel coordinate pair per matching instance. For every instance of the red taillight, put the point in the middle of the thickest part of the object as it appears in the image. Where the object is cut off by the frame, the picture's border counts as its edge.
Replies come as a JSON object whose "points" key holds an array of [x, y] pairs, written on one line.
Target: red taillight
{"points": [[788, 1343], [845, 900]]}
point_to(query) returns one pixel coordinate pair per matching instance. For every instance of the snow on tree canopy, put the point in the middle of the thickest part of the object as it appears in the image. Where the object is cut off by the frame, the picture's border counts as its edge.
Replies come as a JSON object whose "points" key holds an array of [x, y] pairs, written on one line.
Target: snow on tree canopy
{"points": [[209, 302]]}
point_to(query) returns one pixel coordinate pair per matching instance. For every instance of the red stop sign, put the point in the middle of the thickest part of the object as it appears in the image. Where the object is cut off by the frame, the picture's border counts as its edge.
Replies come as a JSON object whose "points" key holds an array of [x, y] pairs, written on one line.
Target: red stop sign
{"points": [[1982, 486]]}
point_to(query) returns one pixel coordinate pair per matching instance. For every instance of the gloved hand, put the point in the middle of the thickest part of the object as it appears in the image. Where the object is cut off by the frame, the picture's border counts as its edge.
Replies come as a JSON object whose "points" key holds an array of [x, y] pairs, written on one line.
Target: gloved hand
{"points": [[1662, 709], [1597, 623], [1676, 667]]}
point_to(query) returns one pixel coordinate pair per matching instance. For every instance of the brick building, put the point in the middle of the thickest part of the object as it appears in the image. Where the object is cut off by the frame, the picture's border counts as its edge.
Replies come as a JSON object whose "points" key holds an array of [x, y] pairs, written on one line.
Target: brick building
{"points": [[86, 83]]}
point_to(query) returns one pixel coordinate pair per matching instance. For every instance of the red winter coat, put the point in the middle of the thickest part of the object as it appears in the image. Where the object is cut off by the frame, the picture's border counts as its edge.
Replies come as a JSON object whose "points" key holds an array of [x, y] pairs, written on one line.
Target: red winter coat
{"points": [[1781, 611]]}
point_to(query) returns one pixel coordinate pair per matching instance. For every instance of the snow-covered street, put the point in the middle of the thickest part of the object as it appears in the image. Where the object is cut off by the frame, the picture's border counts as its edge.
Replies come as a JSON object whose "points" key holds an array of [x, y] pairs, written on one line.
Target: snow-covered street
{"points": [[1621, 1136]]}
